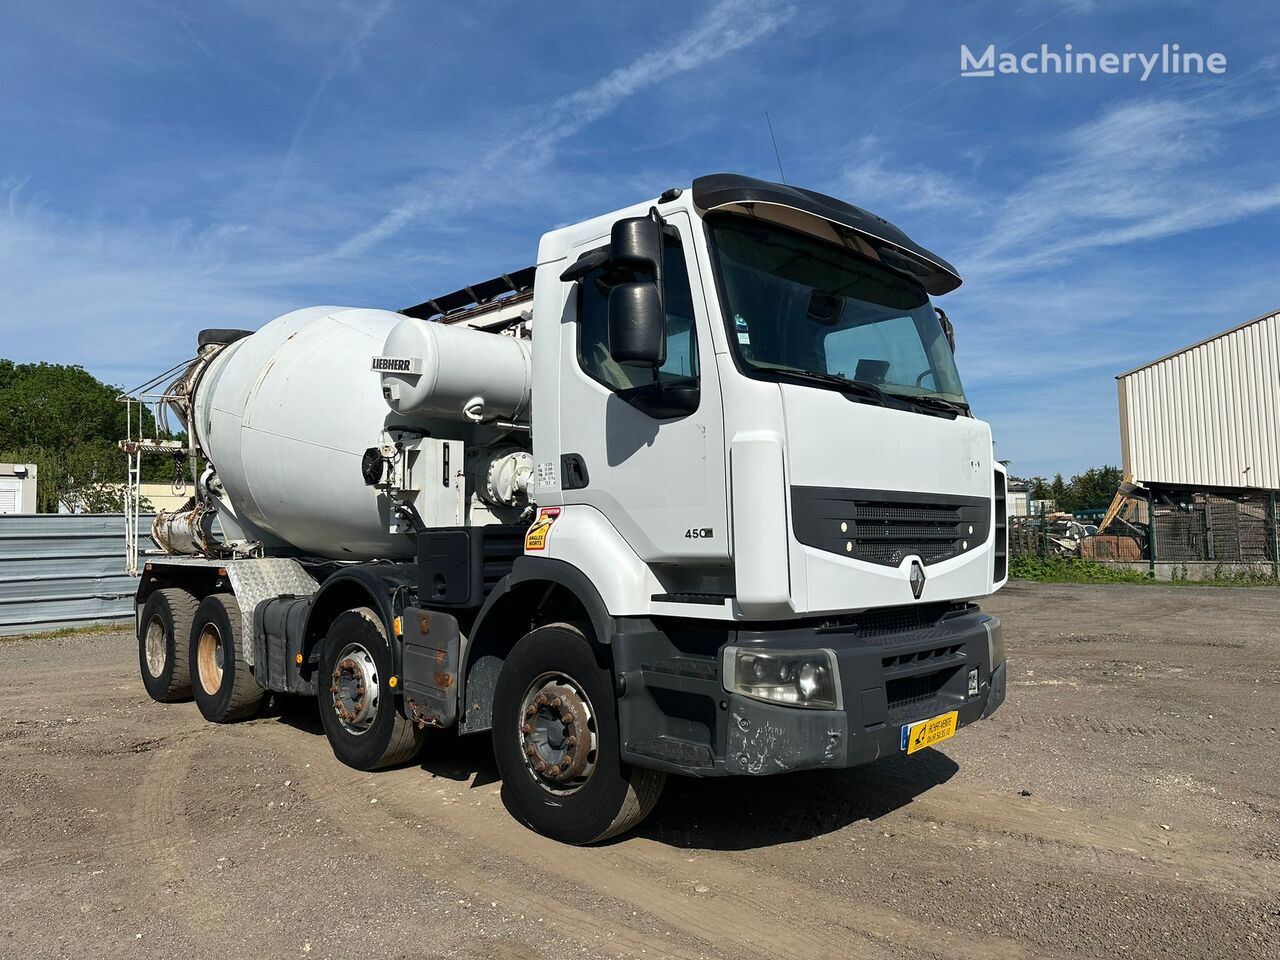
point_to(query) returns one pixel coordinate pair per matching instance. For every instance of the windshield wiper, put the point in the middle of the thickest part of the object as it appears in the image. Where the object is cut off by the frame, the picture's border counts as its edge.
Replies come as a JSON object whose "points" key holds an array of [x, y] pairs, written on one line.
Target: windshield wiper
{"points": [[868, 390], [937, 403]]}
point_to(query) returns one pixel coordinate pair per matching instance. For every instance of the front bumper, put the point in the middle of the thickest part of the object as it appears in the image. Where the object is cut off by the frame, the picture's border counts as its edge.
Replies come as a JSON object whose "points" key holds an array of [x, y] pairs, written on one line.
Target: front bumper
{"points": [[675, 714]]}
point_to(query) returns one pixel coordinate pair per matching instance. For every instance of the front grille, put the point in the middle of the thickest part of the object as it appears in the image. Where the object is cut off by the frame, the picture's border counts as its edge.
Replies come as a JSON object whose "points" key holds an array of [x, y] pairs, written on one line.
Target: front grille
{"points": [[888, 622], [886, 527], [908, 692], [899, 661]]}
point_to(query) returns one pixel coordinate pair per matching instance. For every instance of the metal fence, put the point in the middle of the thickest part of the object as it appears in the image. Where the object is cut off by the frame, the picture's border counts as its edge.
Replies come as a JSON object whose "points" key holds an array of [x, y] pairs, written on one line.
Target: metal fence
{"points": [[1212, 528], [1176, 534], [63, 570]]}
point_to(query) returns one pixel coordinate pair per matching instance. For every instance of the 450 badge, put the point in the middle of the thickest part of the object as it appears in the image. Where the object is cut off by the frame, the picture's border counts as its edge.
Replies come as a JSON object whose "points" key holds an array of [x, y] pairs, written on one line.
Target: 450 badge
{"points": [[536, 537]]}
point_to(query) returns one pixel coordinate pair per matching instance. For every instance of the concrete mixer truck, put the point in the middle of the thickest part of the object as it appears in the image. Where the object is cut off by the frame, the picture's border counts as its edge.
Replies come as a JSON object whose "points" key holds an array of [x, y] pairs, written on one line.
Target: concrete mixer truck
{"points": [[698, 492]]}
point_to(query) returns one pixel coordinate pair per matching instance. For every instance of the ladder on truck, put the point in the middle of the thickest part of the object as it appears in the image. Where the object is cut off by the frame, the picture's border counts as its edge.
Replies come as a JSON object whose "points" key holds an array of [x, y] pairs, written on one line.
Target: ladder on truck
{"points": [[136, 443]]}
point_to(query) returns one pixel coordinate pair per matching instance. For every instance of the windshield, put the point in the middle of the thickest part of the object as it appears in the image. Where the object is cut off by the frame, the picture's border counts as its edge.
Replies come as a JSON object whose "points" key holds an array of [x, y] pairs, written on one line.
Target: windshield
{"points": [[800, 305]]}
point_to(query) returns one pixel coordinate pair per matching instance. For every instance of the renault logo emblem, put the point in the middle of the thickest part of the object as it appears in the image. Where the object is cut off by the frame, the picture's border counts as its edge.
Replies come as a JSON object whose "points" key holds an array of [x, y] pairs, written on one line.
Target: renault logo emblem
{"points": [[916, 578]]}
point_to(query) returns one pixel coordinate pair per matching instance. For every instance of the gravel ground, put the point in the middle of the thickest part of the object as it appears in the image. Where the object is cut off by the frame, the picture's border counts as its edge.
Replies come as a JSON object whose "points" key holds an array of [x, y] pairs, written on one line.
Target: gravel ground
{"points": [[1124, 802]]}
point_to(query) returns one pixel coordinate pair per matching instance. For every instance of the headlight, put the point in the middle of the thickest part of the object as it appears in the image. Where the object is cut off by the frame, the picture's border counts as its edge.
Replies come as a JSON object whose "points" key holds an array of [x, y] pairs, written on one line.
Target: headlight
{"points": [[995, 642], [802, 678]]}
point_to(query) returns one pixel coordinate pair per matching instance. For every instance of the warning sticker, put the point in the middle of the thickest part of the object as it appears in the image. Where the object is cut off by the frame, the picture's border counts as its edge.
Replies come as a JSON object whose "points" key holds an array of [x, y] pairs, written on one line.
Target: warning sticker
{"points": [[536, 538]]}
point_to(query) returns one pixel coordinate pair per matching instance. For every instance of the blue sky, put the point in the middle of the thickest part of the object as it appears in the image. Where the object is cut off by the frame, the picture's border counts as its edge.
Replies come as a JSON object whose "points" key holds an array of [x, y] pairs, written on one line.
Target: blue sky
{"points": [[171, 166]]}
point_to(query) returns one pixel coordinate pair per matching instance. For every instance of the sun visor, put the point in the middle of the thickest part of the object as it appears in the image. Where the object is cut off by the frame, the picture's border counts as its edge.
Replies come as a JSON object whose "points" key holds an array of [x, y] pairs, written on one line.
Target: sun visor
{"points": [[895, 248]]}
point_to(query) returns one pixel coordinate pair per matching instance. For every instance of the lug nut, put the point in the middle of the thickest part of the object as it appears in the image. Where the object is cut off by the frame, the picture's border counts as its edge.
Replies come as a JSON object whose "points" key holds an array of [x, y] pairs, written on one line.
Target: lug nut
{"points": [[530, 749], [571, 741], [526, 729], [530, 710]]}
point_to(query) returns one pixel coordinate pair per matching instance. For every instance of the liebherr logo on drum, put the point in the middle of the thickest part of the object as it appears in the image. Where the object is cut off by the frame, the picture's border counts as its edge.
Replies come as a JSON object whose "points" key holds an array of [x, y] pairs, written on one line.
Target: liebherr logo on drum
{"points": [[397, 365]]}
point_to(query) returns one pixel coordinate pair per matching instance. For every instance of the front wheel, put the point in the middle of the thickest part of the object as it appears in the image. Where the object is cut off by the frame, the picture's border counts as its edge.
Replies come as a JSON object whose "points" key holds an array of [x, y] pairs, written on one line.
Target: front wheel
{"points": [[357, 701], [555, 739]]}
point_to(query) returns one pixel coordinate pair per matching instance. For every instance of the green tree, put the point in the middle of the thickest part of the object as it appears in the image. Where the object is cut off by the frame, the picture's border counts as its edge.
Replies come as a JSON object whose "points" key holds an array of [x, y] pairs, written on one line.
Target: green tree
{"points": [[1093, 489], [1058, 489], [51, 405], [67, 422]]}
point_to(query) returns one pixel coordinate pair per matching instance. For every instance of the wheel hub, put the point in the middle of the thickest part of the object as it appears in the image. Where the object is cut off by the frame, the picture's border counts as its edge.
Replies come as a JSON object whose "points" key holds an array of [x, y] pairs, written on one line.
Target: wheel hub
{"points": [[209, 662], [156, 648], [557, 734], [355, 689]]}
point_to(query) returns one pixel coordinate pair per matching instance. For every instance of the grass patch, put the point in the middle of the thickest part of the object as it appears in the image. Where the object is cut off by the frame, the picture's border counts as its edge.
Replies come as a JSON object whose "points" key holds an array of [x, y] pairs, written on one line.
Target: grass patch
{"points": [[125, 623], [1062, 570]]}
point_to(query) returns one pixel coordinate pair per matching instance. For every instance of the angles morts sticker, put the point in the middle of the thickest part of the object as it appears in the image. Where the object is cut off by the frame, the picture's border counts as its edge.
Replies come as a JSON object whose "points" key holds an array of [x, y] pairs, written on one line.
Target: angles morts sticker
{"points": [[536, 537]]}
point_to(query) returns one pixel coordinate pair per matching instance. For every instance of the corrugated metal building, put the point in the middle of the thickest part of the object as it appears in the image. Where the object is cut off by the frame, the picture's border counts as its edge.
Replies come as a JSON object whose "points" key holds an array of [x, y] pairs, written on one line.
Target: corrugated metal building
{"points": [[1207, 416], [63, 570], [1200, 432]]}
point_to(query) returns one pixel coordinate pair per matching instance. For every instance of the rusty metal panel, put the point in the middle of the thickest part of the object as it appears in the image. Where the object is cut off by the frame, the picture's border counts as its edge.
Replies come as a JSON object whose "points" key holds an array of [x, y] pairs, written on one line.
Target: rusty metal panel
{"points": [[62, 570], [1209, 415]]}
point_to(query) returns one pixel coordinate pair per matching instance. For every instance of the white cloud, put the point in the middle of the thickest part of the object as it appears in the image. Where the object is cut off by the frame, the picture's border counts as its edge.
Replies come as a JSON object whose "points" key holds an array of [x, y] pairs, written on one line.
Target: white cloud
{"points": [[120, 300], [728, 27], [889, 186], [1139, 171], [348, 58], [1070, 272]]}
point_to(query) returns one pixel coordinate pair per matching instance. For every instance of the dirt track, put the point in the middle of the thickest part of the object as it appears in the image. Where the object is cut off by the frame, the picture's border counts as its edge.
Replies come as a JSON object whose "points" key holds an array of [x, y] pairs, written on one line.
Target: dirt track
{"points": [[1141, 719]]}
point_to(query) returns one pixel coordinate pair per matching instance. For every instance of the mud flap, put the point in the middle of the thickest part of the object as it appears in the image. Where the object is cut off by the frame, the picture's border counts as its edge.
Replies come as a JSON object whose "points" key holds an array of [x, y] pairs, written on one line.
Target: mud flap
{"points": [[431, 645]]}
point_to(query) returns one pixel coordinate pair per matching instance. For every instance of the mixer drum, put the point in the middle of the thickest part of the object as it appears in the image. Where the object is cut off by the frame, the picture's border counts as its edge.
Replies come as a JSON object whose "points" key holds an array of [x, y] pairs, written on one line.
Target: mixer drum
{"points": [[285, 416]]}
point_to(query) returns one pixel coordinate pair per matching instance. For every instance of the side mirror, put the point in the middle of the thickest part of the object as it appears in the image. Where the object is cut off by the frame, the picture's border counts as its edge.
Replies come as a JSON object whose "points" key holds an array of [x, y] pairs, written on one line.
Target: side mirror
{"points": [[636, 243], [947, 328], [637, 324]]}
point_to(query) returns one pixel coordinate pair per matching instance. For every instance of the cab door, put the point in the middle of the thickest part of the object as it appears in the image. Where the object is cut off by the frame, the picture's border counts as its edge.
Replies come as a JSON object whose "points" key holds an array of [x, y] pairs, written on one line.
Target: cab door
{"points": [[656, 472]]}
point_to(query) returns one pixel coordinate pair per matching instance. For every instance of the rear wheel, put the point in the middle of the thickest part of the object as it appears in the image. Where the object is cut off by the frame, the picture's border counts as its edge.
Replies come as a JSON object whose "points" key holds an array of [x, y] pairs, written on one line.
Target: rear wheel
{"points": [[357, 701], [225, 690], [555, 739], [164, 629]]}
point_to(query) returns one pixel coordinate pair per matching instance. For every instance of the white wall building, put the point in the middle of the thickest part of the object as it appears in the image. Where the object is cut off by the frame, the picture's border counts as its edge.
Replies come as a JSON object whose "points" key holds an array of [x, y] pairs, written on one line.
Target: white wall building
{"points": [[1207, 416], [17, 488]]}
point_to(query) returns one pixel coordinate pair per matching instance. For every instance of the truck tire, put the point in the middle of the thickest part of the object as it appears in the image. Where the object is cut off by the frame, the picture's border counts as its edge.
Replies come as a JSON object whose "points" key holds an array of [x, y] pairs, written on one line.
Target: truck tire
{"points": [[224, 687], [164, 629], [551, 696], [357, 700]]}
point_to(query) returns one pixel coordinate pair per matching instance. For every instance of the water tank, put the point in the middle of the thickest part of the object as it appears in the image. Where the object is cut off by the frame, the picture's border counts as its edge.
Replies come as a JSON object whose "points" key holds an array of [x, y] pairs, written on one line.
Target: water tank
{"points": [[456, 373], [285, 415]]}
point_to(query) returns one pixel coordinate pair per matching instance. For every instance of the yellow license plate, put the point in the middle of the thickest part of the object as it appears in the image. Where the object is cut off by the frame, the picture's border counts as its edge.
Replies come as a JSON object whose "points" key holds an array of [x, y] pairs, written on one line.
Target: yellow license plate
{"points": [[926, 733]]}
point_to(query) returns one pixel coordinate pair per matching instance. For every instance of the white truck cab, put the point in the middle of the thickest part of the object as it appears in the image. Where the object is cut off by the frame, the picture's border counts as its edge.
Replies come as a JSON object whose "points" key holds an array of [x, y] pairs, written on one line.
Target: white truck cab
{"points": [[775, 301]]}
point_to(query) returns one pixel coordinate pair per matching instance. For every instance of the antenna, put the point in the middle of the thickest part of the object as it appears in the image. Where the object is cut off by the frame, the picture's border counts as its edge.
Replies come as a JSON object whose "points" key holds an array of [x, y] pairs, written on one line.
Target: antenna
{"points": [[775, 146]]}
